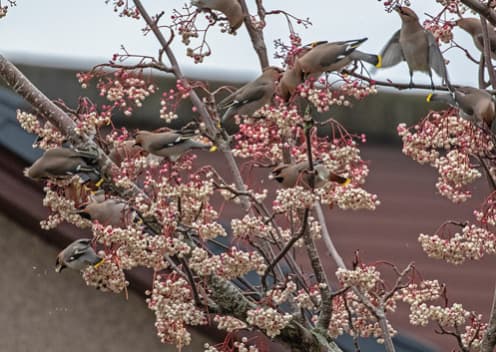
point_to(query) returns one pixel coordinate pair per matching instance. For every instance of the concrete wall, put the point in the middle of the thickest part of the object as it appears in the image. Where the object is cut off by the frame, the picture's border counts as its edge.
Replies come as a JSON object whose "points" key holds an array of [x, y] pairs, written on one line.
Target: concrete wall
{"points": [[41, 310]]}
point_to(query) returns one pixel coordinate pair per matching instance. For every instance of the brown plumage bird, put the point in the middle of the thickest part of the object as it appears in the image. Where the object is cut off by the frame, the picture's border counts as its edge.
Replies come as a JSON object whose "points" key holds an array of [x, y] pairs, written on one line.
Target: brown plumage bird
{"points": [[170, 144], [252, 96], [64, 162], [473, 27], [289, 81], [298, 175], [230, 8], [327, 57], [415, 45], [77, 256], [474, 104], [113, 212], [292, 76]]}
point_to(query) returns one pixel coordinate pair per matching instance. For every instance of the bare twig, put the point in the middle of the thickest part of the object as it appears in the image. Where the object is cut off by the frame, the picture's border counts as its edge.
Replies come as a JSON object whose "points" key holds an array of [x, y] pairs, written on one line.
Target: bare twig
{"points": [[487, 52], [399, 86], [256, 35], [490, 179], [482, 10], [482, 81], [489, 339], [327, 237], [286, 248]]}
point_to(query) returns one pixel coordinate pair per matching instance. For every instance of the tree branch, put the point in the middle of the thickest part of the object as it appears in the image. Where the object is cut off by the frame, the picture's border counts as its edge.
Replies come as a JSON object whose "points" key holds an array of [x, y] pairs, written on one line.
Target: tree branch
{"points": [[487, 52], [482, 10], [489, 339], [256, 35]]}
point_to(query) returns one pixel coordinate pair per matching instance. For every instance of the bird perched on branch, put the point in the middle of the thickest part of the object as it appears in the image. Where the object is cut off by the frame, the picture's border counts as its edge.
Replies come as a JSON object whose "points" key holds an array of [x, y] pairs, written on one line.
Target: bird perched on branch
{"points": [[326, 57], [64, 162], [78, 256], [319, 57], [473, 27], [299, 175], [113, 212], [415, 45], [170, 144], [230, 8], [252, 96], [474, 104]]}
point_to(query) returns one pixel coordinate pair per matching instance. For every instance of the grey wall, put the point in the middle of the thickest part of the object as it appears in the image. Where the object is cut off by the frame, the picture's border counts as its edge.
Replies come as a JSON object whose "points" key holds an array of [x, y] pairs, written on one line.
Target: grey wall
{"points": [[41, 310]]}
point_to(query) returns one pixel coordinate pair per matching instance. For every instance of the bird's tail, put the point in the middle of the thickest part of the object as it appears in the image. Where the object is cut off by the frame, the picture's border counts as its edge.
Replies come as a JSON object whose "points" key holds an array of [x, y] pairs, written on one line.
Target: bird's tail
{"points": [[445, 97], [200, 145], [228, 114], [343, 181], [375, 60], [351, 45]]}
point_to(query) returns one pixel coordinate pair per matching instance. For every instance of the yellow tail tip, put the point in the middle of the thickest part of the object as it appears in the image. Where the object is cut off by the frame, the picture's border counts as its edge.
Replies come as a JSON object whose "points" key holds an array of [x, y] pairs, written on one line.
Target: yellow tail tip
{"points": [[100, 262], [213, 148], [379, 61], [428, 98], [100, 182], [346, 182]]}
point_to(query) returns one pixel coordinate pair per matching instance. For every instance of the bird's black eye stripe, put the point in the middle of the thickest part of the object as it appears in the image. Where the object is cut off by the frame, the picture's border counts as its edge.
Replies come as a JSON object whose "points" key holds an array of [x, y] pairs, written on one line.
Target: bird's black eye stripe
{"points": [[75, 256]]}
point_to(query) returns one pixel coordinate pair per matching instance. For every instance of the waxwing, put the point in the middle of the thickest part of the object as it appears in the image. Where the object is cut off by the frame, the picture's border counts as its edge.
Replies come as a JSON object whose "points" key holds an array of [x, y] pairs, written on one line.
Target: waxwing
{"points": [[415, 45], [289, 81], [326, 57], [298, 175], [252, 96], [474, 104], [292, 76], [111, 211], [473, 27], [170, 144], [77, 256], [64, 162], [230, 8]]}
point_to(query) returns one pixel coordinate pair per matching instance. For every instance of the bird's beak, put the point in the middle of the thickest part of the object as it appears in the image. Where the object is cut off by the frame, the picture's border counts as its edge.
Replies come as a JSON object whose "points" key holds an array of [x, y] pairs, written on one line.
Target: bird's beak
{"points": [[100, 262]]}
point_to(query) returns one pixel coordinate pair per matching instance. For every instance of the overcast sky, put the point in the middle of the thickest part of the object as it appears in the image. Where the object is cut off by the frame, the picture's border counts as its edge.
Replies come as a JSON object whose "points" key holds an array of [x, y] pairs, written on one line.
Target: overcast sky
{"points": [[87, 32]]}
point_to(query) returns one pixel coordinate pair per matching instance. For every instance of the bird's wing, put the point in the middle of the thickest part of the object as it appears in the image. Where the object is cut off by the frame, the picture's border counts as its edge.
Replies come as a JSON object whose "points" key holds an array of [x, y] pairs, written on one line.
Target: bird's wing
{"points": [[462, 100], [391, 53], [249, 94], [334, 54], [224, 103], [167, 140], [436, 59]]}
